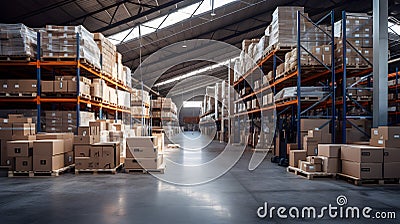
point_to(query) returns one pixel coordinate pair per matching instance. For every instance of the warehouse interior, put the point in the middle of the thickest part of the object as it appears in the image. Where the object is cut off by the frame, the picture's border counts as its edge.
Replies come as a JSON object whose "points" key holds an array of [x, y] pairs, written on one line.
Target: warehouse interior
{"points": [[193, 111]]}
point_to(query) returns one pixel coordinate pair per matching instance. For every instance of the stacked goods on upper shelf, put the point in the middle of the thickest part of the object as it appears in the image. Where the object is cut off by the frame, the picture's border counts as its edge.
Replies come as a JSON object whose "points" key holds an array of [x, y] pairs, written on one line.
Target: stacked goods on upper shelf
{"points": [[18, 87], [67, 85], [124, 99], [128, 74], [17, 40], [15, 127], [65, 121], [358, 35], [143, 153], [284, 26], [61, 41], [108, 53], [308, 93], [140, 102]]}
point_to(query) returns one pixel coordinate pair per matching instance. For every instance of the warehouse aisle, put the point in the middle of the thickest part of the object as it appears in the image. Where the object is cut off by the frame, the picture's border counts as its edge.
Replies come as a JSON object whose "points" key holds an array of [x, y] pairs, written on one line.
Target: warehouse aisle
{"points": [[140, 198]]}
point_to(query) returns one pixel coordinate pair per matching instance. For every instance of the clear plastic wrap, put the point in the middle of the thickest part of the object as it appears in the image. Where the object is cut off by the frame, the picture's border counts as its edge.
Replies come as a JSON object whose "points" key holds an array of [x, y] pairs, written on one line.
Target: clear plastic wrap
{"points": [[60, 41], [17, 40], [284, 25]]}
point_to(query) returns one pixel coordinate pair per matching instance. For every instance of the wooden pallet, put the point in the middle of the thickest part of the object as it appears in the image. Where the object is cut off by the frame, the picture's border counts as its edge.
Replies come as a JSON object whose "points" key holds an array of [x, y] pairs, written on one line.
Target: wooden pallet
{"points": [[16, 58], [309, 175], [53, 173], [99, 171], [357, 181], [97, 99], [85, 96], [160, 170], [173, 146], [58, 58], [18, 94]]}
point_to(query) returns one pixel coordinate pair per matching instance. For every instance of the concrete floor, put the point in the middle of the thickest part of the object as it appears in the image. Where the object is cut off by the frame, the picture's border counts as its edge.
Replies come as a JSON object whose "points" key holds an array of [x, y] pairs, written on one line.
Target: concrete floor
{"points": [[141, 198]]}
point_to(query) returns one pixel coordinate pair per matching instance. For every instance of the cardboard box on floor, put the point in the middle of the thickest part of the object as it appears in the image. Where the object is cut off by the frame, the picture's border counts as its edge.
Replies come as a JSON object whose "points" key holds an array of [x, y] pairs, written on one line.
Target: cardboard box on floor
{"points": [[391, 155], [82, 150], [48, 147], [308, 167], [329, 150], [24, 163], [144, 163], [391, 170], [86, 163], [362, 170], [19, 148], [48, 162], [311, 146], [295, 156], [331, 165], [362, 153]]}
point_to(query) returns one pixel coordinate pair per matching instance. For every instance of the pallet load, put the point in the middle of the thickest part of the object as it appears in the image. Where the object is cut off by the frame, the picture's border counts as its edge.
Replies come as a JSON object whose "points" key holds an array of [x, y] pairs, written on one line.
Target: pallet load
{"points": [[65, 121], [389, 138], [15, 127], [60, 42], [308, 93], [362, 161], [68, 140], [20, 87], [17, 41], [359, 34], [330, 155], [107, 51], [98, 157], [142, 154], [67, 85]]}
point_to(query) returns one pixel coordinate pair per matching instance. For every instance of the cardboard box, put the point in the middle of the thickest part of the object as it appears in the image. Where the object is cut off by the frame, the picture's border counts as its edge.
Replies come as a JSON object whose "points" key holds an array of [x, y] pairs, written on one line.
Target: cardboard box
{"points": [[84, 140], [60, 86], [389, 132], [42, 162], [362, 170], [290, 147], [295, 156], [69, 158], [147, 163], [393, 143], [23, 129], [374, 133], [25, 138], [48, 147], [314, 159], [6, 131], [18, 118], [391, 170], [3, 152], [83, 131], [82, 150], [310, 146], [308, 167], [84, 163], [47, 86], [362, 153], [329, 150], [96, 151], [331, 165], [131, 163], [23, 163], [110, 157], [19, 148], [391, 155]]}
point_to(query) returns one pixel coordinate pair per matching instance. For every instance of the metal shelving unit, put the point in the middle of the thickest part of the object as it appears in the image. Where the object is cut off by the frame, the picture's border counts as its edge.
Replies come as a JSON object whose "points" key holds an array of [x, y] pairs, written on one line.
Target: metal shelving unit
{"points": [[68, 67]]}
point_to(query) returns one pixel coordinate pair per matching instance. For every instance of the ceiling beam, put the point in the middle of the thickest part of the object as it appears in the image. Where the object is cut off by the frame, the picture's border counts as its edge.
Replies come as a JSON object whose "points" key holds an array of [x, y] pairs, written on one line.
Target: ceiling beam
{"points": [[42, 10], [138, 16]]}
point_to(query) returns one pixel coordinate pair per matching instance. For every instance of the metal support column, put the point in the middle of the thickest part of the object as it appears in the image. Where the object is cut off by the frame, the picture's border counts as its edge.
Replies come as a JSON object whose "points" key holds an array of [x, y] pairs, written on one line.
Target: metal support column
{"points": [[298, 81], [38, 85], [78, 77], [333, 128], [344, 80], [380, 69]]}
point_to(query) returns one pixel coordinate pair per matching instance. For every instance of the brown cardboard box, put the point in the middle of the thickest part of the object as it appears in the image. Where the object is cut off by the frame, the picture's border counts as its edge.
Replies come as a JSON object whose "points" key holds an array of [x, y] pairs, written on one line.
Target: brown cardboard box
{"points": [[83, 163], [6, 131], [391, 170], [82, 150], [143, 152], [331, 165], [69, 158], [18, 118], [26, 138], [310, 146], [329, 150], [308, 167], [47, 86], [391, 155], [374, 133], [3, 152], [96, 151], [110, 157], [83, 140], [97, 126], [290, 147], [393, 143], [42, 162], [362, 170], [60, 86], [19, 148], [131, 163], [23, 163], [389, 132], [48, 147], [295, 156], [320, 136], [362, 153], [23, 129], [312, 124], [314, 159], [83, 131], [151, 163]]}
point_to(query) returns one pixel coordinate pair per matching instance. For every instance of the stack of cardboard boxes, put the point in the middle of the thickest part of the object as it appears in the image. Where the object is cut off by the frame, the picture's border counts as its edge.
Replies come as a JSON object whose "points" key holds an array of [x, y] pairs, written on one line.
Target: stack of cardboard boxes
{"points": [[17, 40], [108, 51], [142, 153], [67, 85], [362, 161], [15, 127], [98, 146], [330, 155], [65, 121], [21, 86]]}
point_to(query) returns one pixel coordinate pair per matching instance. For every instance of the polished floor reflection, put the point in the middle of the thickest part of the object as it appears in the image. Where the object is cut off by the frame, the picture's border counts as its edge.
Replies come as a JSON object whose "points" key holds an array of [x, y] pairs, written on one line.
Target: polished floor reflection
{"points": [[140, 198]]}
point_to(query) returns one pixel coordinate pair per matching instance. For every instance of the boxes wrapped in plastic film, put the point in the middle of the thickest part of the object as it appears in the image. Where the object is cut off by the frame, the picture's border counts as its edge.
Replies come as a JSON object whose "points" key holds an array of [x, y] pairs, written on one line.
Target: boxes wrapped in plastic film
{"points": [[61, 41], [17, 40], [311, 92]]}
